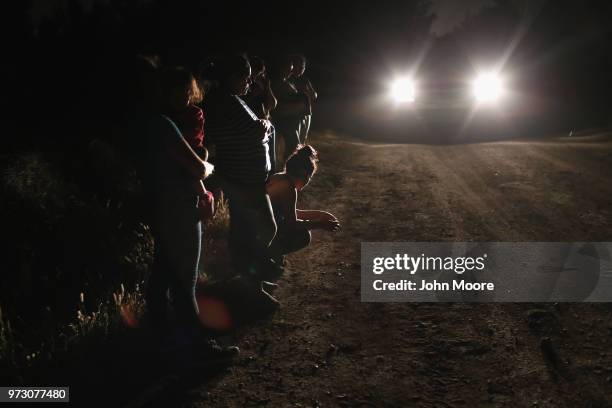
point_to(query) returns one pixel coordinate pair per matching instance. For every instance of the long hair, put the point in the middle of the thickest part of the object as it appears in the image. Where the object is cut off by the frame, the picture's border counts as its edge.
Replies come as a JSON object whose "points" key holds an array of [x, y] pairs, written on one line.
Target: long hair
{"points": [[302, 164], [181, 78]]}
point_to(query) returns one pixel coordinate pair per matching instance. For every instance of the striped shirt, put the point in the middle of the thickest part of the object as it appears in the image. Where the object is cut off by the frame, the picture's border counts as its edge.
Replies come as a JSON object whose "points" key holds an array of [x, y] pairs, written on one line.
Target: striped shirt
{"points": [[242, 150]]}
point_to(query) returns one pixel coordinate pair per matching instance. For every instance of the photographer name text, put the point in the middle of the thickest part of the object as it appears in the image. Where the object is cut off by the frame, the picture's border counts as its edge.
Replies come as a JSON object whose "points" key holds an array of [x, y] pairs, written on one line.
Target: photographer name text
{"points": [[423, 285]]}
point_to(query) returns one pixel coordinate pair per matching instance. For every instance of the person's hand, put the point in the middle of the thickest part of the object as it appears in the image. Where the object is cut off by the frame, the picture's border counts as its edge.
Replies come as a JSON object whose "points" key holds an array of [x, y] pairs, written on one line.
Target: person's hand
{"points": [[264, 126], [208, 170], [206, 206], [330, 224]]}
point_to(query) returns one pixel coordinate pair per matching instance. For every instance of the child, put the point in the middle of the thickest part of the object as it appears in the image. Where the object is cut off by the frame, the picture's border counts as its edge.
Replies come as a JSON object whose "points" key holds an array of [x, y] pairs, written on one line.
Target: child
{"points": [[294, 225], [182, 93]]}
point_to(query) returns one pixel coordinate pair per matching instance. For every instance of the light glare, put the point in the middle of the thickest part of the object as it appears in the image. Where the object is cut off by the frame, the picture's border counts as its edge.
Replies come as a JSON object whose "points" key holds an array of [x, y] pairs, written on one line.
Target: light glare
{"points": [[487, 87], [402, 90]]}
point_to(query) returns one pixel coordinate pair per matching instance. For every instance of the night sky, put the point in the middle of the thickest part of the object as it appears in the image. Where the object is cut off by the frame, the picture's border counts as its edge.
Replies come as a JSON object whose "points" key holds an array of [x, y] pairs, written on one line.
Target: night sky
{"points": [[449, 13]]}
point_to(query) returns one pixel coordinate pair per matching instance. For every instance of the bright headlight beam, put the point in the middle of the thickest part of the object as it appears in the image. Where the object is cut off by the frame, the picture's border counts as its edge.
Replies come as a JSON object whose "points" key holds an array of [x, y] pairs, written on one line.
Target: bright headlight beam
{"points": [[403, 90], [487, 87]]}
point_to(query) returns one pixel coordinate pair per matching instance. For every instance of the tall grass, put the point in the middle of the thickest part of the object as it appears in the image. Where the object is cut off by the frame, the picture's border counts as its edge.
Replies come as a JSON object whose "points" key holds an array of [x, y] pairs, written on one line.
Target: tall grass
{"points": [[65, 251], [215, 263], [76, 262], [8, 346]]}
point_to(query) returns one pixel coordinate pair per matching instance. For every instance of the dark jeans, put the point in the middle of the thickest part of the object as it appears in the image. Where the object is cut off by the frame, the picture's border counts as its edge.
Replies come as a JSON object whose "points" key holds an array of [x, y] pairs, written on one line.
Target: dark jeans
{"points": [[177, 232], [252, 226]]}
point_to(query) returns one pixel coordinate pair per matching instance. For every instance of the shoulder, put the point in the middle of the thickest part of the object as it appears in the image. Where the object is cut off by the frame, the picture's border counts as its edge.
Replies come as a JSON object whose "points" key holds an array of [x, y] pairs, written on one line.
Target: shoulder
{"points": [[276, 178], [162, 124], [280, 185], [158, 121], [163, 119]]}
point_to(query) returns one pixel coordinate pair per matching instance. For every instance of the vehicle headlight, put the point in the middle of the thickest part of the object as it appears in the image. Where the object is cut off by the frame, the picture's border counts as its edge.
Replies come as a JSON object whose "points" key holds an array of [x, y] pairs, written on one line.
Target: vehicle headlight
{"points": [[487, 87], [403, 90]]}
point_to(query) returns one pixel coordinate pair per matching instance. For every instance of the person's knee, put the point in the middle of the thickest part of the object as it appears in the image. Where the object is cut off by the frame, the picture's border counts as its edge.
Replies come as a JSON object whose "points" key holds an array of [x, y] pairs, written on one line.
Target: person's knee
{"points": [[306, 238], [266, 232], [301, 239]]}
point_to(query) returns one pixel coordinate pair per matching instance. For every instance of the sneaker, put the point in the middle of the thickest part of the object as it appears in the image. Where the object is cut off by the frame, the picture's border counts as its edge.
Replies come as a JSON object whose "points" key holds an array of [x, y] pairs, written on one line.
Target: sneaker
{"points": [[250, 301], [270, 270], [213, 352], [204, 355], [268, 287], [279, 259]]}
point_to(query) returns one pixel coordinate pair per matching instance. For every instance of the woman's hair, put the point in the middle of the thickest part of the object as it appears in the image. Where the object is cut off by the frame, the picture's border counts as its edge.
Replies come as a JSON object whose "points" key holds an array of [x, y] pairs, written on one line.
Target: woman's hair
{"points": [[181, 78], [302, 163]]}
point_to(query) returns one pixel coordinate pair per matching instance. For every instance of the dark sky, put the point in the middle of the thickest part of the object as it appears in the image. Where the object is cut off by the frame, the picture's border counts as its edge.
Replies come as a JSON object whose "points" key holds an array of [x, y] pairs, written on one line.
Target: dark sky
{"points": [[450, 13], [46, 8]]}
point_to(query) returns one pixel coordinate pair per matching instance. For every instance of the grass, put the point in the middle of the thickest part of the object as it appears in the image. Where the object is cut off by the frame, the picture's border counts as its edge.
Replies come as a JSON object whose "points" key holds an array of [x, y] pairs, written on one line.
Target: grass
{"points": [[215, 255], [79, 259], [8, 345]]}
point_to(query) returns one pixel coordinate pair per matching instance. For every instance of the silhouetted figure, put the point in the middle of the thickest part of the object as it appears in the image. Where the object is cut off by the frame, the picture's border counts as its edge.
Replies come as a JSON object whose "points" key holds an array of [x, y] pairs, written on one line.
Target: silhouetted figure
{"points": [[260, 97], [291, 104], [304, 86], [181, 93], [241, 140], [169, 169], [261, 100], [294, 225]]}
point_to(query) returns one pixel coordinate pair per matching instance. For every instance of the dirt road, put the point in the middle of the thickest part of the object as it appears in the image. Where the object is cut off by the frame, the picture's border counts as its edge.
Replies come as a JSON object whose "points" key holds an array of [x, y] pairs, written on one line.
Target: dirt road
{"points": [[326, 348]]}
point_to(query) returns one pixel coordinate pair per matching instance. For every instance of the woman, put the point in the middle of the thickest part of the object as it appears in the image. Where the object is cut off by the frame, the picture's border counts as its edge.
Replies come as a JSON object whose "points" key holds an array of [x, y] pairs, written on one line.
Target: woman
{"points": [[294, 225], [169, 168], [181, 92], [241, 141]]}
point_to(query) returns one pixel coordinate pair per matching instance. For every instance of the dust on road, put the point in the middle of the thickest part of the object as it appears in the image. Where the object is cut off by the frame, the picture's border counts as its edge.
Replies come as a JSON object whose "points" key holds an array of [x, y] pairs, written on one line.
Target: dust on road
{"points": [[326, 348]]}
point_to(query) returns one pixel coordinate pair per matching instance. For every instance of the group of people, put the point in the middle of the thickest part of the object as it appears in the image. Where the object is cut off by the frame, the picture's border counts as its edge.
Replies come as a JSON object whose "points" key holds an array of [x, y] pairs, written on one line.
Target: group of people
{"points": [[245, 110]]}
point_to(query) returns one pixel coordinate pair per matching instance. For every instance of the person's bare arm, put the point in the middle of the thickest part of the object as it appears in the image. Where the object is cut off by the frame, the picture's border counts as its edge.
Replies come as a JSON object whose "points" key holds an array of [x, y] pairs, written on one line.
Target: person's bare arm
{"points": [[300, 219], [179, 149], [311, 91], [315, 215], [270, 101], [288, 198], [324, 219]]}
